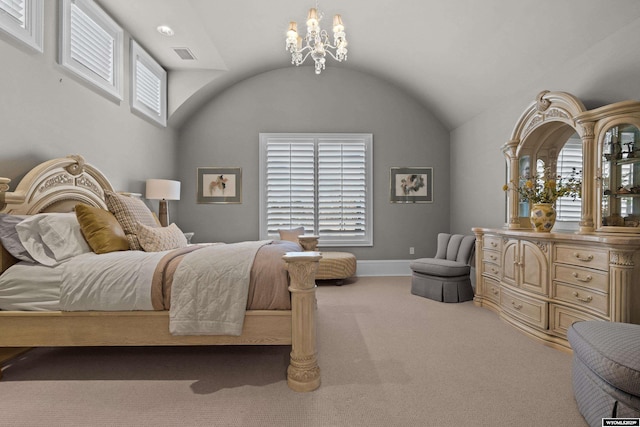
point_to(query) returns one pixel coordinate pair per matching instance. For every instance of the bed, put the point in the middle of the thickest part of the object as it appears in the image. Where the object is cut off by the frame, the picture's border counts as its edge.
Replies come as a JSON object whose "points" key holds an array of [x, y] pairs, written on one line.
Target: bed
{"points": [[59, 185]]}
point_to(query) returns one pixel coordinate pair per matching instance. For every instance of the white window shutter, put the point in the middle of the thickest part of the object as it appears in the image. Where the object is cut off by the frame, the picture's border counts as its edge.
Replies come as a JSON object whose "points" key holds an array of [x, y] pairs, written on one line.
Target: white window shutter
{"points": [[290, 186], [148, 86], [15, 9], [341, 189], [91, 46], [24, 21]]}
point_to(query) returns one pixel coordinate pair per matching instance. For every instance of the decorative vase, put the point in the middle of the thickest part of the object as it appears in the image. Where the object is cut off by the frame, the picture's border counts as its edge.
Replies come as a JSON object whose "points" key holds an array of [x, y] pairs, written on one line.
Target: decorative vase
{"points": [[543, 216]]}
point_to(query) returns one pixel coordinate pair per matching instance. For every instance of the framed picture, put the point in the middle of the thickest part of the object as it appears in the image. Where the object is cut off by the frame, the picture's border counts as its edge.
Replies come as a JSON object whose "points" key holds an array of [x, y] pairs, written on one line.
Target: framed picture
{"points": [[411, 185], [219, 185]]}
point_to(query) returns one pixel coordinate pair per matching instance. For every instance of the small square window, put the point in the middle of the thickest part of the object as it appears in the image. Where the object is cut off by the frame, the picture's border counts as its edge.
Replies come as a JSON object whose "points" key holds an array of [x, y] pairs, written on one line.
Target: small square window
{"points": [[23, 20], [91, 45], [148, 86]]}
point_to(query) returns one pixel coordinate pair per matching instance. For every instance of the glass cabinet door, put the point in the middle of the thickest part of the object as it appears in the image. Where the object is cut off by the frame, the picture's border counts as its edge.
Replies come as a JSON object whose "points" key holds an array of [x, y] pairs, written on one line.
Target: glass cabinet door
{"points": [[621, 177]]}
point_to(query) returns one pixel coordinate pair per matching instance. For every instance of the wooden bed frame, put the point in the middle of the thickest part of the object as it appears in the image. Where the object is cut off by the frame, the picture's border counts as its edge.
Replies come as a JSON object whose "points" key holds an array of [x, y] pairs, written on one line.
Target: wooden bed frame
{"points": [[57, 186]]}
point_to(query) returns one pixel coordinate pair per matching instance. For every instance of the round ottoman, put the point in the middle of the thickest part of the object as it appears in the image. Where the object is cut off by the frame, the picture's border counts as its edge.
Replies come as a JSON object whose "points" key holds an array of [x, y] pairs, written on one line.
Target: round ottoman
{"points": [[336, 266]]}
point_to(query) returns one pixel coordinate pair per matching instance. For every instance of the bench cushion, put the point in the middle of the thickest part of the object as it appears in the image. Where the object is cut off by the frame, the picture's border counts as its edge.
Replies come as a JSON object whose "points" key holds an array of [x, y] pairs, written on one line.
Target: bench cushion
{"points": [[440, 267], [336, 265], [610, 350]]}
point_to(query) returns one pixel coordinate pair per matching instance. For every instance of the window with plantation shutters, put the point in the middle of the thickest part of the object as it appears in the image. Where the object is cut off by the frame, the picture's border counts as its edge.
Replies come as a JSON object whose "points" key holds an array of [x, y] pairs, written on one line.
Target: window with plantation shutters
{"points": [[321, 182], [91, 45], [148, 86], [23, 20]]}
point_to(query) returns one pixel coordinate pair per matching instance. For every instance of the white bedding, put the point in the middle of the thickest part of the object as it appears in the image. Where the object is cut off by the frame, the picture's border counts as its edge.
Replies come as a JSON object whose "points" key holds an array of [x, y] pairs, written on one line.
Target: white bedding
{"points": [[110, 282], [40, 294]]}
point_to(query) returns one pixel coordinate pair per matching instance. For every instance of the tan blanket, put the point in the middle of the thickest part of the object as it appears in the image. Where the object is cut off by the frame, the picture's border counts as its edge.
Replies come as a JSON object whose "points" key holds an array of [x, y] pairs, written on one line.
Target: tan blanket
{"points": [[268, 286], [210, 289]]}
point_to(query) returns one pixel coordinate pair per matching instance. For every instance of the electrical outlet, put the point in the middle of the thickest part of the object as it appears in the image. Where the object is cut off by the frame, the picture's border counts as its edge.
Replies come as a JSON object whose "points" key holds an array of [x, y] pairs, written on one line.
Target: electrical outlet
{"points": [[412, 250]]}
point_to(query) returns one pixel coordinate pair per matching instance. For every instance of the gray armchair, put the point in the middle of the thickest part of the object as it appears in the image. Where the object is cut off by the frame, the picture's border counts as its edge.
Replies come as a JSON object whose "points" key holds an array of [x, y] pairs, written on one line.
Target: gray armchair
{"points": [[446, 277]]}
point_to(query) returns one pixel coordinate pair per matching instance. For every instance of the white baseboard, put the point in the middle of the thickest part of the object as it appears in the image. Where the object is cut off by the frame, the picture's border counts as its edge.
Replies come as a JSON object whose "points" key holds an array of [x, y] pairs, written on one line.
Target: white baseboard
{"points": [[391, 267]]}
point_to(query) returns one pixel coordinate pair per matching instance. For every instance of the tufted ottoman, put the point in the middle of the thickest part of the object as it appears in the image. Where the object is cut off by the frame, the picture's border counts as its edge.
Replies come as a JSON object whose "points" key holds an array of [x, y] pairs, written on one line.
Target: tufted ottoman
{"points": [[336, 266], [606, 369]]}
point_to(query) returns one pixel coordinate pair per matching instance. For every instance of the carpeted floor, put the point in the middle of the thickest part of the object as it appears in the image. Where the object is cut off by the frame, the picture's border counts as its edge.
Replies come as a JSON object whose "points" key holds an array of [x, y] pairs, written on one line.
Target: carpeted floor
{"points": [[388, 358]]}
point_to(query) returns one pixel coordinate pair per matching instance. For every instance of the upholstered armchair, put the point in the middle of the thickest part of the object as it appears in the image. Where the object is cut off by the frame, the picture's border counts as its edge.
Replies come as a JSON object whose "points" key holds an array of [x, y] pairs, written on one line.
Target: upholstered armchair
{"points": [[447, 276]]}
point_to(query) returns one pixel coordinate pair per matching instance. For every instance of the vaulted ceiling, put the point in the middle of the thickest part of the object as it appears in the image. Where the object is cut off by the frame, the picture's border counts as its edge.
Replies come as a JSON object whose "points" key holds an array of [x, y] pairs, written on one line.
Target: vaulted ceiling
{"points": [[455, 56]]}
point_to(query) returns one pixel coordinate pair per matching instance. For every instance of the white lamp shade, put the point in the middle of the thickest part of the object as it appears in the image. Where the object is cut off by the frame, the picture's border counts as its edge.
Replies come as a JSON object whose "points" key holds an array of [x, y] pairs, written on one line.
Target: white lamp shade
{"points": [[163, 189]]}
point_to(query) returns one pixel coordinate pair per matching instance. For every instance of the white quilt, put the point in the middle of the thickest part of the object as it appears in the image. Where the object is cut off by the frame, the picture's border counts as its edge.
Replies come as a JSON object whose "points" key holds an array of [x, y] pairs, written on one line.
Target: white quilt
{"points": [[210, 289]]}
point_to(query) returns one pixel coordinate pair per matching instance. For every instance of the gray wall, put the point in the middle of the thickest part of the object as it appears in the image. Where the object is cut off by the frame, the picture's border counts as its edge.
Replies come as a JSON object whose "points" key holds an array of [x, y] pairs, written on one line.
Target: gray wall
{"points": [[603, 74], [46, 113], [225, 133]]}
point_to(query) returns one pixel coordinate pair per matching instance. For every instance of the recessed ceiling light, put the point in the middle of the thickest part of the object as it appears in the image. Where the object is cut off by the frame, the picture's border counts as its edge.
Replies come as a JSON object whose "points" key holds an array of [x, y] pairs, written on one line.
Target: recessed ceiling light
{"points": [[165, 30]]}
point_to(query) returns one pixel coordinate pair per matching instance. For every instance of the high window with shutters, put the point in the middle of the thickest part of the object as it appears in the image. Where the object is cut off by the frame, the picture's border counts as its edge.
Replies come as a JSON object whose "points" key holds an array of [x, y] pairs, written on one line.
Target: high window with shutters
{"points": [[91, 45], [23, 20], [322, 182], [148, 86]]}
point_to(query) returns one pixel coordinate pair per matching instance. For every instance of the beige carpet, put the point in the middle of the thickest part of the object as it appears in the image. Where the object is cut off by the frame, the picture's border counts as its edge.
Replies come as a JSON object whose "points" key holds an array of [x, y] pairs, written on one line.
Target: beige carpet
{"points": [[388, 358]]}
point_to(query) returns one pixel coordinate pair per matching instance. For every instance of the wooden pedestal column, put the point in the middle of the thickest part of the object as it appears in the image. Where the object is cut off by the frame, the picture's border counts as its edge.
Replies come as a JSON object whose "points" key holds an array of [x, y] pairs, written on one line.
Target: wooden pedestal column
{"points": [[303, 373]]}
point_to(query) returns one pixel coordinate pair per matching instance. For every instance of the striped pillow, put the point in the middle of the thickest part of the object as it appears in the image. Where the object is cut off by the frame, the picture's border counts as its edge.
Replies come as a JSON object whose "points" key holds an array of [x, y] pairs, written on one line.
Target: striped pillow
{"points": [[156, 239], [129, 211]]}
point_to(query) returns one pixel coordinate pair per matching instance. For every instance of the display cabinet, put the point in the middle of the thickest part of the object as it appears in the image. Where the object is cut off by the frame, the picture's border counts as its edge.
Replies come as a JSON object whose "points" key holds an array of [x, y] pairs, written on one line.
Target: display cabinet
{"points": [[588, 266], [620, 174]]}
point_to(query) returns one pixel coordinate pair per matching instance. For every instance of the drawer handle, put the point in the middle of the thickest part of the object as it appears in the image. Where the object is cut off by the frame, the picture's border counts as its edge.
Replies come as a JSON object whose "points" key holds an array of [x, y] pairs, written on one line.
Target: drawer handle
{"points": [[494, 244], [581, 258], [516, 306], [586, 279], [493, 257], [494, 290], [494, 270], [579, 298]]}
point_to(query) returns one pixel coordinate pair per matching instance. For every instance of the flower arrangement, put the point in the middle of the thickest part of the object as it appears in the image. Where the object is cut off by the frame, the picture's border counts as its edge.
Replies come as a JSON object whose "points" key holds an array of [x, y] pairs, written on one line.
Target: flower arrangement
{"points": [[543, 188]]}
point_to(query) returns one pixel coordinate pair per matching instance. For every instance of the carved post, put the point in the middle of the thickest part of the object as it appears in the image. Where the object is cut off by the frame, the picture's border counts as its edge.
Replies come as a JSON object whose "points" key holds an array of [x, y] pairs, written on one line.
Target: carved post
{"points": [[309, 242], [303, 373], [589, 176], [620, 275], [479, 295], [509, 150]]}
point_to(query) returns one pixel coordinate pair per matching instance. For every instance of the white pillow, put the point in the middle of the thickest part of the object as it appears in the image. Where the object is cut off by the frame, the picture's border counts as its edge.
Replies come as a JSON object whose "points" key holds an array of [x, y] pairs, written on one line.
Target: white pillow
{"points": [[51, 238]]}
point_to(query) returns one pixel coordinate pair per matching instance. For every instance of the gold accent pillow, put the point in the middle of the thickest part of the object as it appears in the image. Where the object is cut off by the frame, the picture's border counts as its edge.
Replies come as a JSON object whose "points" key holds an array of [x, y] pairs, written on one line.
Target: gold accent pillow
{"points": [[101, 229], [130, 211], [156, 239]]}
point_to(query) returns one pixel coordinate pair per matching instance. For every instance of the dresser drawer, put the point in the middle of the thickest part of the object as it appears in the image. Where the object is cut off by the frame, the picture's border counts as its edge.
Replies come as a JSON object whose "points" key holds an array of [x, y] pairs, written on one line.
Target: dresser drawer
{"points": [[490, 256], [529, 310], [596, 301], [491, 289], [491, 269], [591, 279], [492, 243], [561, 318], [582, 257]]}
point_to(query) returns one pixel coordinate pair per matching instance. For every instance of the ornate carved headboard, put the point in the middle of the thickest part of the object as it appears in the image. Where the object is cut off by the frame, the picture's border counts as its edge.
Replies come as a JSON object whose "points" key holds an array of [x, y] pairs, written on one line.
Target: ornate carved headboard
{"points": [[53, 186]]}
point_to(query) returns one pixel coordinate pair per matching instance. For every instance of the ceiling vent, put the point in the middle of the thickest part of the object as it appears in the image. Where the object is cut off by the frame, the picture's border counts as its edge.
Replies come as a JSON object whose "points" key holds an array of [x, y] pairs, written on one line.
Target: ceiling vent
{"points": [[184, 53]]}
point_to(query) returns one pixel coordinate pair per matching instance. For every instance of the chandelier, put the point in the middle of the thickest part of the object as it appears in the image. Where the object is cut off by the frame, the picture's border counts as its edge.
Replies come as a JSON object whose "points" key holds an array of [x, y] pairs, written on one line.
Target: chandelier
{"points": [[316, 42]]}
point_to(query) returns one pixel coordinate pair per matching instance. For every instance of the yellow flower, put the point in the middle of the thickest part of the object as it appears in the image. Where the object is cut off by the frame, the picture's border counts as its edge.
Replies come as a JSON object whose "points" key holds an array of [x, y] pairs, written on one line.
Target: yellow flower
{"points": [[505, 187], [529, 184]]}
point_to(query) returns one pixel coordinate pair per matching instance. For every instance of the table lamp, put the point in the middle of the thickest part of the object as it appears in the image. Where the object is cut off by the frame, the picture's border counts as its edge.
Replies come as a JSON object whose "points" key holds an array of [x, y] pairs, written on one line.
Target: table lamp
{"points": [[163, 190]]}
